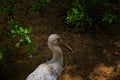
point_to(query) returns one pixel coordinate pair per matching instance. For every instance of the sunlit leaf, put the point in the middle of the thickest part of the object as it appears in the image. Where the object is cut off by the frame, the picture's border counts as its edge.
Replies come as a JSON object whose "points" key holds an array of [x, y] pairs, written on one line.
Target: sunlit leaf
{"points": [[17, 45], [28, 39], [21, 29], [21, 40], [26, 31], [12, 31]]}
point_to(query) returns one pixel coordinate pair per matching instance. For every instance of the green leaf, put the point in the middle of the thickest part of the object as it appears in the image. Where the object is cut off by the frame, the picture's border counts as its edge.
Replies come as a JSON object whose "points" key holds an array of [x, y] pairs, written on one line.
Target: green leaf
{"points": [[21, 40], [12, 31], [14, 35], [18, 31], [26, 31], [75, 11], [110, 20], [29, 29], [28, 39], [17, 45], [82, 14], [10, 21], [16, 27], [21, 29]]}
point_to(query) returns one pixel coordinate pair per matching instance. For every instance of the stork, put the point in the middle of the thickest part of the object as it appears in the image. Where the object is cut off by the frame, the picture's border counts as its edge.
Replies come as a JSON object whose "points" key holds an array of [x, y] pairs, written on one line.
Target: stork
{"points": [[51, 69]]}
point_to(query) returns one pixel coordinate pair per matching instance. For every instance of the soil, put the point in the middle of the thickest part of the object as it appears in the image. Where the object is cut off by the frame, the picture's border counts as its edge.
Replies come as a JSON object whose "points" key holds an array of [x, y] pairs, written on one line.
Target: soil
{"points": [[96, 56]]}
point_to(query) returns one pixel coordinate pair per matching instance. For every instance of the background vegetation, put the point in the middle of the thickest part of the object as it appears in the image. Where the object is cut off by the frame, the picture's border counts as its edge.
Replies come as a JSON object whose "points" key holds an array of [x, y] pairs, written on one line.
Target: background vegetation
{"points": [[81, 16], [18, 38]]}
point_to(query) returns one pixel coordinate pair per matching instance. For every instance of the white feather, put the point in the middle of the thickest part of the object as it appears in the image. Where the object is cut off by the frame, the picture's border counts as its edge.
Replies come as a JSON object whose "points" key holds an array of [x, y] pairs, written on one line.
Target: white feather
{"points": [[50, 69]]}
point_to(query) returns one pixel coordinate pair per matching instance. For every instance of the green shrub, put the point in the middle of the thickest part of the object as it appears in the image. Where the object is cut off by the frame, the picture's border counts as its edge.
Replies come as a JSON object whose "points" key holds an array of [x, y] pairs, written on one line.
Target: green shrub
{"points": [[21, 36], [89, 15], [108, 17], [77, 16]]}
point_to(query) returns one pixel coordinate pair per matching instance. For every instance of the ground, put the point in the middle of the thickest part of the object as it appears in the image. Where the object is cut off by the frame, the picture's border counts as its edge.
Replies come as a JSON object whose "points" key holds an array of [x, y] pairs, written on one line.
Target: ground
{"points": [[96, 56]]}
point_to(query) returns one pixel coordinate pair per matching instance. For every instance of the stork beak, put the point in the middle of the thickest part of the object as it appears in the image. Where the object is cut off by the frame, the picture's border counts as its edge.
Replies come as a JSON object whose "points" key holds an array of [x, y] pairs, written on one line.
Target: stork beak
{"points": [[64, 44]]}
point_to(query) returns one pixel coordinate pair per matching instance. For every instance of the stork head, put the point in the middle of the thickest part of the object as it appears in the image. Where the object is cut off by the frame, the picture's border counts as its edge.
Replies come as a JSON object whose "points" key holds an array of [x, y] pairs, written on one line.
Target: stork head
{"points": [[56, 40], [53, 40]]}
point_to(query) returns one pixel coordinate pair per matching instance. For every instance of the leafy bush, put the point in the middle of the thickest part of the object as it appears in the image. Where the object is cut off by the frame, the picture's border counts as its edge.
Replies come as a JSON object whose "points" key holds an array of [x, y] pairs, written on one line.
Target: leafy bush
{"points": [[77, 16], [38, 5], [108, 17], [87, 14], [21, 36]]}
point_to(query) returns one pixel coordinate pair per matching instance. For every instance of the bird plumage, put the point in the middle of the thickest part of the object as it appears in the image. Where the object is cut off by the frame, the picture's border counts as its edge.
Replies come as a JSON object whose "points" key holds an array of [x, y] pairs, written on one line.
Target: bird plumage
{"points": [[50, 70]]}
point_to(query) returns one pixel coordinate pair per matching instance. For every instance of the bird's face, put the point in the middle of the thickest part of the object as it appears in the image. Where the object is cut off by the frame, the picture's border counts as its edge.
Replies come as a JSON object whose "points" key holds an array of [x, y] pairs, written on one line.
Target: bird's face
{"points": [[56, 40], [53, 40]]}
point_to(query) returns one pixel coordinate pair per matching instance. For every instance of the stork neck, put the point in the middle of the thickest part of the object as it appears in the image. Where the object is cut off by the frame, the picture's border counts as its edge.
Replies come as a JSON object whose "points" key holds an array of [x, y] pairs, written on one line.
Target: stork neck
{"points": [[57, 54]]}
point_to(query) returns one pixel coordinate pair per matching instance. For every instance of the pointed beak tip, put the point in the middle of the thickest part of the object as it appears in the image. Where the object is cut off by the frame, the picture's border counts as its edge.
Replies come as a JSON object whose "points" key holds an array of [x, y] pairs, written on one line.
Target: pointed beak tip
{"points": [[66, 45], [73, 51]]}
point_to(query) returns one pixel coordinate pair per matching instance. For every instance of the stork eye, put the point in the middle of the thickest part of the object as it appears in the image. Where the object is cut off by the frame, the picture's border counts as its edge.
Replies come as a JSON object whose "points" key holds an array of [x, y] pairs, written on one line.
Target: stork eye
{"points": [[58, 39]]}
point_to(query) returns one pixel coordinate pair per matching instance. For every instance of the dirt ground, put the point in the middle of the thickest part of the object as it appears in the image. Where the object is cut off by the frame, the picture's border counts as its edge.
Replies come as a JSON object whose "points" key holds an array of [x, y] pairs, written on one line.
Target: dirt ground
{"points": [[96, 56]]}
